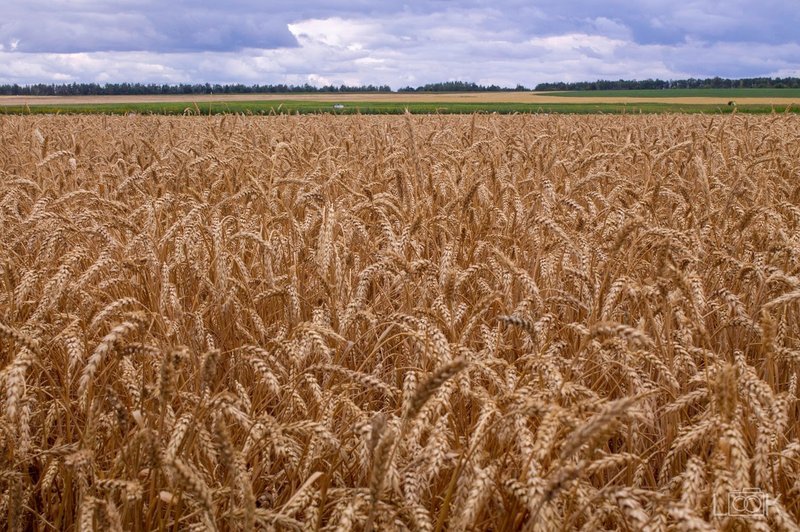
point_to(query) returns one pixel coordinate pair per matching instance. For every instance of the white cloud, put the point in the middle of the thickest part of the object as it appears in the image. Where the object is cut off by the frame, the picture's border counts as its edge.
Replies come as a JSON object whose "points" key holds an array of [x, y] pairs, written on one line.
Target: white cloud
{"points": [[577, 44], [335, 32]]}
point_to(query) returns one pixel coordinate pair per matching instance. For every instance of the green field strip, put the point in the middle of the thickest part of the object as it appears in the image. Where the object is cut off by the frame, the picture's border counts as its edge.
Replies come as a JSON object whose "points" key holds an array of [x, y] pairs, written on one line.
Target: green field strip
{"points": [[273, 107]]}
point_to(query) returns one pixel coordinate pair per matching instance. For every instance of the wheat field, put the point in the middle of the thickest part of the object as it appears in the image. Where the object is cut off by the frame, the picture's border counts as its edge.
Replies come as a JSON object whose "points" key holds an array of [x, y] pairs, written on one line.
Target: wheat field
{"points": [[388, 323]]}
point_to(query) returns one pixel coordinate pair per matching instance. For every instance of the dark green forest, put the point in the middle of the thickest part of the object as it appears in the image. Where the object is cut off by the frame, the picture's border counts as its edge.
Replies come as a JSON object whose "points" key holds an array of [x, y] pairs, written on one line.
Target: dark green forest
{"points": [[108, 89], [691, 83], [116, 89]]}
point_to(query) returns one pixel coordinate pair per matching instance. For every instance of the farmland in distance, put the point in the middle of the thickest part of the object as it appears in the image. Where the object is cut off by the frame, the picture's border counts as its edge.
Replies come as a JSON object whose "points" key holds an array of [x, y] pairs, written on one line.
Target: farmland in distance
{"points": [[706, 101]]}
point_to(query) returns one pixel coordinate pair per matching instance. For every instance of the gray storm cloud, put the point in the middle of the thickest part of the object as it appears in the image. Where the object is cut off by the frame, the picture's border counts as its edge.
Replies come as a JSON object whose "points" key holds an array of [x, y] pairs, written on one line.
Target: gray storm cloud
{"points": [[97, 28]]}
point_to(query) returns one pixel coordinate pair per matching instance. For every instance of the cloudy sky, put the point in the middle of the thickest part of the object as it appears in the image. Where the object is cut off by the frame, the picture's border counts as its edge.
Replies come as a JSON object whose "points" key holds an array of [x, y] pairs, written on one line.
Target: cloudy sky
{"points": [[504, 42]]}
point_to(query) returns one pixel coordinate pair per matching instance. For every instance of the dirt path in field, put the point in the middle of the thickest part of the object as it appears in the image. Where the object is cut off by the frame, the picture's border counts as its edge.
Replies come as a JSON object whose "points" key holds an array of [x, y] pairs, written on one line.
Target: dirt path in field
{"points": [[491, 97]]}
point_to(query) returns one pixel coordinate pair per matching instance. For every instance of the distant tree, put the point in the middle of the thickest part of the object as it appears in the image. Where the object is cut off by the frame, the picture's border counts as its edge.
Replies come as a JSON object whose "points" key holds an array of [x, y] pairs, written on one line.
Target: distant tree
{"points": [[126, 88], [460, 86], [691, 83], [74, 89]]}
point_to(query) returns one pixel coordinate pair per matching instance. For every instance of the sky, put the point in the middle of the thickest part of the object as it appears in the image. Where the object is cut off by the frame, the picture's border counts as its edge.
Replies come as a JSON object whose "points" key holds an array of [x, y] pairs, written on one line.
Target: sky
{"points": [[355, 42]]}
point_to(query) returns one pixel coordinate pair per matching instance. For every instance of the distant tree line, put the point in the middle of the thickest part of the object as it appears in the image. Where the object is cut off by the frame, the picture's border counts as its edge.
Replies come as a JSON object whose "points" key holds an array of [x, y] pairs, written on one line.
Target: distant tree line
{"points": [[108, 89], [96, 89], [460, 86], [691, 83]]}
